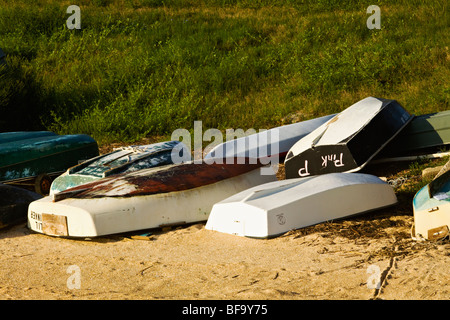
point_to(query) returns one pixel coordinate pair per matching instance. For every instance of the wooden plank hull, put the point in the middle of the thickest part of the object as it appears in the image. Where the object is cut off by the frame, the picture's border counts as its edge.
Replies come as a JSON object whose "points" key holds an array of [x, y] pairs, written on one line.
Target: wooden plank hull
{"points": [[14, 204], [348, 141], [277, 207], [126, 159], [25, 155], [149, 198]]}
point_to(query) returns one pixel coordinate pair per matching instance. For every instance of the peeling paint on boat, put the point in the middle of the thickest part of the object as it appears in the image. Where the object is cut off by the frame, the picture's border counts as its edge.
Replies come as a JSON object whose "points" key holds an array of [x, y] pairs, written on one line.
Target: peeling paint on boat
{"points": [[119, 188], [65, 181], [176, 177], [174, 194], [29, 154], [14, 174], [122, 160]]}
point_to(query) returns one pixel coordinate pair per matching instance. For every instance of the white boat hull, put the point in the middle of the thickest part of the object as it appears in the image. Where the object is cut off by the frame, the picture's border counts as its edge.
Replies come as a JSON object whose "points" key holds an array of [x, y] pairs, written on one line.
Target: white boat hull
{"points": [[92, 217], [273, 142], [274, 208]]}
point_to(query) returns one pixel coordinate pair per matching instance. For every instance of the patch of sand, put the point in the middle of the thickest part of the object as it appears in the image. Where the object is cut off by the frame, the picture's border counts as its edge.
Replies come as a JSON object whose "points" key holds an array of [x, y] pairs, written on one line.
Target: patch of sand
{"points": [[338, 260]]}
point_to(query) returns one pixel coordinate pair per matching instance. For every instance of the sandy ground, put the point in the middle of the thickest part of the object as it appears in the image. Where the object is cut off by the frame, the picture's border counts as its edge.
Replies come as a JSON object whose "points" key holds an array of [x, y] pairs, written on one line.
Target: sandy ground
{"points": [[370, 257]]}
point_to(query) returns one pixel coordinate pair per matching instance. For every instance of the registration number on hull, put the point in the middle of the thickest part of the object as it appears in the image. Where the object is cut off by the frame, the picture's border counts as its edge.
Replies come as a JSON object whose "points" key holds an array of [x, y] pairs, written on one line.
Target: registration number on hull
{"points": [[51, 224]]}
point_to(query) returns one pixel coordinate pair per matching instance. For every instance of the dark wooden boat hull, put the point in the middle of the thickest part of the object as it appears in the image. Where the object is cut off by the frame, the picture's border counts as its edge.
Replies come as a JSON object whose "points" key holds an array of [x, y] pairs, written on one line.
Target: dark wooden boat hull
{"points": [[14, 203]]}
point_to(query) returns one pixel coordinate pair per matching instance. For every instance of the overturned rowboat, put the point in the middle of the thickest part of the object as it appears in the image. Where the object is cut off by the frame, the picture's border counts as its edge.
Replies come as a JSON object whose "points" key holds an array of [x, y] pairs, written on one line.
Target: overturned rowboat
{"points": [[348, 141], [425, 134], [35, 158], [431, 206], [14, 202], [145, 199], [268, 143], [276, 207], [121, 160]]}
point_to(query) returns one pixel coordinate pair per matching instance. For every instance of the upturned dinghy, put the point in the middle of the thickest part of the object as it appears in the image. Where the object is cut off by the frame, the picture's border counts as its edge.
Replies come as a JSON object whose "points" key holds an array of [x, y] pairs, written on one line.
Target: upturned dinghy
{"points": [[121, 160], [35, 158], [268, 143], [348, 141], [277, 207], [431, 206], [145, 199], [425, 134], [14, 202]]}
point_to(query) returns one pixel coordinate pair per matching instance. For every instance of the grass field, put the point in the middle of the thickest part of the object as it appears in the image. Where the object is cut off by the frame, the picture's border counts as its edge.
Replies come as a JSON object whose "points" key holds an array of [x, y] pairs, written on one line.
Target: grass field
{"points": [[143, 68]]}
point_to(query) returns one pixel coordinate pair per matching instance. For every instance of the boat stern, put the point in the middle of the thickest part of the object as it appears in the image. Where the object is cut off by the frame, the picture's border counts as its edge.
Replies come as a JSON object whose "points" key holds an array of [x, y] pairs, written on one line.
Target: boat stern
{"points": [[431, 216], [60, 219], [230, 218], [320, 160]]}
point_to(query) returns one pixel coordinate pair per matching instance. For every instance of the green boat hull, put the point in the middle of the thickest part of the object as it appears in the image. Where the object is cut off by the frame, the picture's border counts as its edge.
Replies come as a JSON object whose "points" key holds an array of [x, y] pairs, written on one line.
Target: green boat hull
{"points": [[424, 134], [27, 155], [6, 137]]}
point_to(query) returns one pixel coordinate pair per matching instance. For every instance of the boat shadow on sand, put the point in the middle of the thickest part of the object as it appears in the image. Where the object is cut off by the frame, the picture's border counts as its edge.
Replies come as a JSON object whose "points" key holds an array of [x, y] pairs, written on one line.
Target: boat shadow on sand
{"points": [[15, 231]]}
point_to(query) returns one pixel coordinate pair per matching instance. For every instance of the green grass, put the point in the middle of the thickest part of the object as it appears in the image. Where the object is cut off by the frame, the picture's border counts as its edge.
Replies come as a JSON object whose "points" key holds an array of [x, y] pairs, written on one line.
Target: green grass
{"points": [[142, 68]]}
